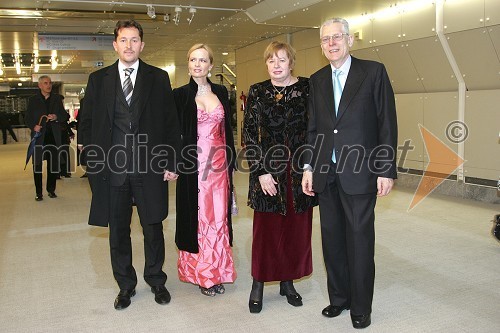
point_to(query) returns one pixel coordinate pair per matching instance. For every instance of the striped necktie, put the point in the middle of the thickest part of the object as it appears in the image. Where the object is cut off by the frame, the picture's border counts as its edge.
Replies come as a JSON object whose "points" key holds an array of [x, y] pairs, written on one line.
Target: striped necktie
{"points": [[128, 88], [337, 94]]}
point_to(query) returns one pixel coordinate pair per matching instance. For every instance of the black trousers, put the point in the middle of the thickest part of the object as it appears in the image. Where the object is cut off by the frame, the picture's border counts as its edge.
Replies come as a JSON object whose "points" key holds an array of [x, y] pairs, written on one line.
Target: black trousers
{"points": [[119, 236], [348, 239], [50, 154], [11, 132]]}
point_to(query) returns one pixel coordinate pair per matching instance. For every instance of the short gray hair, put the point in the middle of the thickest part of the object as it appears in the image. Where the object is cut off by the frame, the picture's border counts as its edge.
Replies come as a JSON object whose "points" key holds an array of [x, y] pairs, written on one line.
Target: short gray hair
{"points": [[335, 20], [44, 77]]}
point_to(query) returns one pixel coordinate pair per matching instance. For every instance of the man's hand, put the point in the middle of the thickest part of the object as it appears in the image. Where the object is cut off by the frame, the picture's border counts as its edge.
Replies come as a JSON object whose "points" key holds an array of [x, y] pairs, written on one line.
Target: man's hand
{"points": [[307, 183], [384, 186], [268, 184], [51, 117], [169, 176]]}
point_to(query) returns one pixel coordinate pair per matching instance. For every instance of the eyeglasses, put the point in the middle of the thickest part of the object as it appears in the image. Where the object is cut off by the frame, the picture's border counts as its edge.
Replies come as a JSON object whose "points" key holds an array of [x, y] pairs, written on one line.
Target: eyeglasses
{"points": [[336, 37]]}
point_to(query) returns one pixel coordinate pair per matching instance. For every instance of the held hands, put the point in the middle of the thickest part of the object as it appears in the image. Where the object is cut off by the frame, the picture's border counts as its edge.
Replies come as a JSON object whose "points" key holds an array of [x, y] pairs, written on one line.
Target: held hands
{"points": [[384, 186], [37, 128], [169, 176], [268, 184], [307, 182]]}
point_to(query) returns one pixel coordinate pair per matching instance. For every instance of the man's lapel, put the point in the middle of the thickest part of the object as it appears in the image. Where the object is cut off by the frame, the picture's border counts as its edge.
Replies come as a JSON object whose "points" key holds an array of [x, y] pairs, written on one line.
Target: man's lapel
{"points": [[110, 92], [142, 88], [326, 86], [355, 77]]}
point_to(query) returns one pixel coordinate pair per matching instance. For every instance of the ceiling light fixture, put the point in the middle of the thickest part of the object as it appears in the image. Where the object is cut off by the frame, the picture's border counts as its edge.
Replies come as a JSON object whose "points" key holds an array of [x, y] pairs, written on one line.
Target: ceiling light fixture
{"points": [[17, 64], [53, 63], [36, 64], [177, 17], [192, 11], [151, 12]]}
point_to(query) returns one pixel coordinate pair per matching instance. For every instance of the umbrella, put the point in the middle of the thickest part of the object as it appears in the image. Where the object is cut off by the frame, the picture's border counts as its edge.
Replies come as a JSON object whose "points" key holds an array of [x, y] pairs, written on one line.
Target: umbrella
{"points": [[31, 146]]}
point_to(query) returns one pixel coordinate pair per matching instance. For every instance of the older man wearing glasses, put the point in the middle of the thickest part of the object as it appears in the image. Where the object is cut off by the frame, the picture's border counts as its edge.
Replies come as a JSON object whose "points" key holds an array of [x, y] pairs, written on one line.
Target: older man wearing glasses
{"points": [[353, 132]]}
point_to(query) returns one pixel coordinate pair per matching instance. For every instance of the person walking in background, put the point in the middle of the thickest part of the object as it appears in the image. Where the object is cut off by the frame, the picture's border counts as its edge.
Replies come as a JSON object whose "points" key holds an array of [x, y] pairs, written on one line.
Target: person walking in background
{"points": [[66, 136], [46, 103], [80, 161], [352, 121], [6, 126], [130, 138], [275, 125], [203, 221]]}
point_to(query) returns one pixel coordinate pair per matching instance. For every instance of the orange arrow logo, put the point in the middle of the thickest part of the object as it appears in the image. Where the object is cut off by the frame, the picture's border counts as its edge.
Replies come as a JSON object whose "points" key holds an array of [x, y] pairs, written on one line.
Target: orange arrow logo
{"points": [[443, 161]]}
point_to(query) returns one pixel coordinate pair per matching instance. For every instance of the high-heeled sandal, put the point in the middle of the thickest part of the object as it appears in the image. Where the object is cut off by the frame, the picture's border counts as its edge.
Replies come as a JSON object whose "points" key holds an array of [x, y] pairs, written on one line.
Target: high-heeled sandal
{"points": [[256, 295], [208, 291], [292, 296], [219, 288]]}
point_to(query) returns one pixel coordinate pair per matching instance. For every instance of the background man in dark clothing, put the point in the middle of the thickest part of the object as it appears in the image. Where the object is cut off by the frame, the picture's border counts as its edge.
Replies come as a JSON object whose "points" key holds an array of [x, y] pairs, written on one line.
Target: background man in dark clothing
{"points": [[48, 104]]}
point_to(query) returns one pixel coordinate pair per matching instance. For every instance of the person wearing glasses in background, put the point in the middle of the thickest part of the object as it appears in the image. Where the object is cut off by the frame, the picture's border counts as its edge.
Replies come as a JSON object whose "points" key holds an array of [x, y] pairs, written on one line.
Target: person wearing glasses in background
{"points": [[353, 133], [275, 131]]}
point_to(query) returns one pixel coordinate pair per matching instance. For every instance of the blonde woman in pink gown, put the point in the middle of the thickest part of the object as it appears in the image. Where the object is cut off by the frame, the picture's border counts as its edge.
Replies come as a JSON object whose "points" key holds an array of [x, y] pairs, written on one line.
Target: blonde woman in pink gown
{"points": [[203, 222]]}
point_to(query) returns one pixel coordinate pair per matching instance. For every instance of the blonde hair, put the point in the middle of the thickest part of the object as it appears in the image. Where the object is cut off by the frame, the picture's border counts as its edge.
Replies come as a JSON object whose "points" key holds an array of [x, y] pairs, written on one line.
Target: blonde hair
{"points": [[201, 46], [274, 47]]}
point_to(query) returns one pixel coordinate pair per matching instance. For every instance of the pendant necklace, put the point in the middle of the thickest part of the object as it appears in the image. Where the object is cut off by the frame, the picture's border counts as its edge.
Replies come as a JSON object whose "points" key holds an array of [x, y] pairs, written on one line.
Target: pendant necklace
{"points": [[279, 93]]}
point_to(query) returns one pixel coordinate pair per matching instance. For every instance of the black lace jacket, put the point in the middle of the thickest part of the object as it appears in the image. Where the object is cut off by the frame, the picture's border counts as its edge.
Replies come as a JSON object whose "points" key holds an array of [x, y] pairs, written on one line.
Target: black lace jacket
{"points": [[275, 133]]}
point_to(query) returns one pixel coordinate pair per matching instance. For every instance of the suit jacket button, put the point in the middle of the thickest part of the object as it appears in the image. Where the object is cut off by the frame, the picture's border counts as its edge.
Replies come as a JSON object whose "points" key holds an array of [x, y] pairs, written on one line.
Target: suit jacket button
{"points": [[335, 131]]}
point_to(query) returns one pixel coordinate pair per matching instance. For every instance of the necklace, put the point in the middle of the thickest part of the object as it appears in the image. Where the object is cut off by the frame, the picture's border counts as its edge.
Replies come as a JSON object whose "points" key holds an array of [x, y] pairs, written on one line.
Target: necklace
{"points": [[279, 93], [203, 89]]}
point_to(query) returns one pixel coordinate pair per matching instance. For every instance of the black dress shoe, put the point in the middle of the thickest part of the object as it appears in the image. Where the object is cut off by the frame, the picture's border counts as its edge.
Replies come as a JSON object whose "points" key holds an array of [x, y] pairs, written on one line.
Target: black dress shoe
{"points": [[334, 310], [38, 197], [292, 296], [122, 301], [256, 295], [52, 195], [361, 321], [162, 296]]}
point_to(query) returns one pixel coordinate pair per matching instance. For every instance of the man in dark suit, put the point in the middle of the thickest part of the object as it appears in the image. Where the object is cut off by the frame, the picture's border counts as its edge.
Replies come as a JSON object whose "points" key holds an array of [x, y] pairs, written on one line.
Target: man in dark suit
{"points": [[130, 136], [48, 104], [353, 134]]}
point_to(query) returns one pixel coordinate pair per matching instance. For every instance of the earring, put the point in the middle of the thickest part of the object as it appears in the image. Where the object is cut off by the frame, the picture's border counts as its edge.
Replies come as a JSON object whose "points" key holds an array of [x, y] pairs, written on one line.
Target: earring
{"points": [[209, 74], [189, 74]]}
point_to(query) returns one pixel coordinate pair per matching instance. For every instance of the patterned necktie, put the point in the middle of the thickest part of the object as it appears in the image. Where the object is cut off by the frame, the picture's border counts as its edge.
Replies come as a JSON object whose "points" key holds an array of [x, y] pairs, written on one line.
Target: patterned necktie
{"points": [[337, 94], [128, 88]]}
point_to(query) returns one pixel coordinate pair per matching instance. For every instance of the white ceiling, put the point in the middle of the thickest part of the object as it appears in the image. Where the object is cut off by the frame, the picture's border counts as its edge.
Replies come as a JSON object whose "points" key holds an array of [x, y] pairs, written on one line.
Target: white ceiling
{"points": [[225, 25]]}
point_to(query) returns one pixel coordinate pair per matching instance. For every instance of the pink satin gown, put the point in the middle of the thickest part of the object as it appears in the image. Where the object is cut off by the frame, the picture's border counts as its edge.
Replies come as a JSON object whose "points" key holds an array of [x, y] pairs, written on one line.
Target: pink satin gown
{"points": [[213, 264]]}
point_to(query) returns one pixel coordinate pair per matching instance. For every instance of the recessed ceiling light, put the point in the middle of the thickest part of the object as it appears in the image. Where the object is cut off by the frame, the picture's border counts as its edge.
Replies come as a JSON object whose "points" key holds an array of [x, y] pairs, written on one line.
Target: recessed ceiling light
{"points": [[225, 53]]}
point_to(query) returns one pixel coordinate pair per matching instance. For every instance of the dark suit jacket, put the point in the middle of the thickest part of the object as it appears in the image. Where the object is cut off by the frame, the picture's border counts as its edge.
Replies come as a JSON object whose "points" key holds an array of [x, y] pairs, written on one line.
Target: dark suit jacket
{"points": [[364, 133], [186, 234], [158, 121], [36, 109]]}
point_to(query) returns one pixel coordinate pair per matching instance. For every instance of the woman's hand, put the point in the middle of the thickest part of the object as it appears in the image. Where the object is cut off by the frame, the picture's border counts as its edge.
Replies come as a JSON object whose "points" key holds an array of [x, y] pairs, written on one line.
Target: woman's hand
{"points": [[268, 184]]}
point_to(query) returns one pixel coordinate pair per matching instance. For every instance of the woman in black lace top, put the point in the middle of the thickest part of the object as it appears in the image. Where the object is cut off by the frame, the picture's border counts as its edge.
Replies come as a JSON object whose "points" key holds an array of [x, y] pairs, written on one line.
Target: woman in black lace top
{"points": [[274, 131]]}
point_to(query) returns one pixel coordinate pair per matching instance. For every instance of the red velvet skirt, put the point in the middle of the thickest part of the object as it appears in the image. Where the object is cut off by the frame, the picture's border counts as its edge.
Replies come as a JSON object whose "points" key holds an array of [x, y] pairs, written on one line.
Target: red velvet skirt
{"points": [[281, 247]]}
